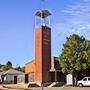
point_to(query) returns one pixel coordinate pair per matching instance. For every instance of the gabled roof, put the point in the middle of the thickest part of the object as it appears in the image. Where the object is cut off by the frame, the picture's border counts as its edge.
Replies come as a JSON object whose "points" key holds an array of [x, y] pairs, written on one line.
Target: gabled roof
{"points": [[30, 62], [1, 73], [12, 72]]}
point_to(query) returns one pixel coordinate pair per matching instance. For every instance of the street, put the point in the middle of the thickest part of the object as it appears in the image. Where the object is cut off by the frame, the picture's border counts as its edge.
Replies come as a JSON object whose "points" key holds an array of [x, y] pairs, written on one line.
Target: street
{"points": [[54, 88]]}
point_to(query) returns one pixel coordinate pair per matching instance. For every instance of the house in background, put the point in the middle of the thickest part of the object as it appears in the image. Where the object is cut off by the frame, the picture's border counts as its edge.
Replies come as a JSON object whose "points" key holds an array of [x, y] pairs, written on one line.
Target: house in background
{"points": [[12, 77], [2, 76]]}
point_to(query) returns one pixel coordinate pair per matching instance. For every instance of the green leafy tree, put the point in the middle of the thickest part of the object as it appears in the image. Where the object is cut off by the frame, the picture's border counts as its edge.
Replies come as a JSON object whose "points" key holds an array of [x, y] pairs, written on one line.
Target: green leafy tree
{"points": [[22, 69], [75, 55], [9, 63], [1, 67], [7, 66]]}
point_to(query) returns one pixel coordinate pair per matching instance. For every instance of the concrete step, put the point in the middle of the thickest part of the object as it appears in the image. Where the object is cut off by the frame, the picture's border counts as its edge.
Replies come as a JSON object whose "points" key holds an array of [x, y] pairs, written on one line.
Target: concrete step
{"points": [[33, 84], [51, 85], [56, 84]]}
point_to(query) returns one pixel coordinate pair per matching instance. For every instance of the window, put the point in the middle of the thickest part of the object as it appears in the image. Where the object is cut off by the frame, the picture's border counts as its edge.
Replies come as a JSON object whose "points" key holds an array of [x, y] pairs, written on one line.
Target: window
{"points": [[85, 79], [88, 79], [31, 77]]}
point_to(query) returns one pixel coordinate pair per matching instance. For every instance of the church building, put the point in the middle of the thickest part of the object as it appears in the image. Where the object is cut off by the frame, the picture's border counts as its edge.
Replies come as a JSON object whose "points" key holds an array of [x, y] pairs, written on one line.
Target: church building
{"points": [[43, 68]]}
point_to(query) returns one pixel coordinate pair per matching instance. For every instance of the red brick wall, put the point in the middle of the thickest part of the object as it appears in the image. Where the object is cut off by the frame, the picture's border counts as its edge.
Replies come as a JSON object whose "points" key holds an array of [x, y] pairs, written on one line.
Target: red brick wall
{"points": [[38, 54], [30, 67], [52, 63], [42, 54]]}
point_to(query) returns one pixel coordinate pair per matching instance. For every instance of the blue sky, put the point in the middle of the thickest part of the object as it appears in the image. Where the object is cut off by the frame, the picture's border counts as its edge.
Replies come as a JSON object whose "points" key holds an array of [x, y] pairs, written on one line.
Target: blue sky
{"points": [[17, 26]]}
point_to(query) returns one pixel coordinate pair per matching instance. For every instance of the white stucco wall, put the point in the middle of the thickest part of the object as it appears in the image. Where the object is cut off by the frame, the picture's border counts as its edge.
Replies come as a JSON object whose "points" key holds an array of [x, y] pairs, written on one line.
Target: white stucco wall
{"points": [[9, 79], [21, 79], [31, 77]]}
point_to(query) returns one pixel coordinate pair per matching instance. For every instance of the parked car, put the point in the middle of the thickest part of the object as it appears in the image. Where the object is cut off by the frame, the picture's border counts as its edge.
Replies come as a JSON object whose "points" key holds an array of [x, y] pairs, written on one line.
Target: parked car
{"points": [[84, 82]]}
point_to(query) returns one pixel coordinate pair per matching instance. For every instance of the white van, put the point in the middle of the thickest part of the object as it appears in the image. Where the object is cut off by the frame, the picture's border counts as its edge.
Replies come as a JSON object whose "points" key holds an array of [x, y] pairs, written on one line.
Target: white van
{"points": [[84, 82]]}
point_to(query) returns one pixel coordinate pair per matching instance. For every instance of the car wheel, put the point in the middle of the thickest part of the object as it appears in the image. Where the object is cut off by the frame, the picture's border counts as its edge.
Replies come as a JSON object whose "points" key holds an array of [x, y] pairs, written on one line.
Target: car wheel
{"points": [[80, 85]]}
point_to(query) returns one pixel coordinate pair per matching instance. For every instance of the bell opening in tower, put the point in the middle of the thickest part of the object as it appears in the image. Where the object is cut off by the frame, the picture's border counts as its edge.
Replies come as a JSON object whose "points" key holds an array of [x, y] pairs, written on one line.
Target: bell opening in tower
{"points": [[42, 18]]}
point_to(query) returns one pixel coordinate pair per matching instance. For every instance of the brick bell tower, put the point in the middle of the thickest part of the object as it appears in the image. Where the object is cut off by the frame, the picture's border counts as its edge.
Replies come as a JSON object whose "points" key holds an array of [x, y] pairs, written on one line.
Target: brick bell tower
{"points": [[42, 46]]}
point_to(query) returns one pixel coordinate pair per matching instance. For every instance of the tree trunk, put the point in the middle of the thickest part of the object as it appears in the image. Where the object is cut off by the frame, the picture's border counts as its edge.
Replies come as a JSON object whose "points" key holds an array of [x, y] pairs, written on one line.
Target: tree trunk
{"points": [[74, 80]]}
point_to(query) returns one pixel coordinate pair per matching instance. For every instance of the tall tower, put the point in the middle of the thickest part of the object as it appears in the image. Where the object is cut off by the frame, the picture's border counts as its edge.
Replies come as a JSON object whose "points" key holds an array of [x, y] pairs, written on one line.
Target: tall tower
{"points": [[42, 46]]}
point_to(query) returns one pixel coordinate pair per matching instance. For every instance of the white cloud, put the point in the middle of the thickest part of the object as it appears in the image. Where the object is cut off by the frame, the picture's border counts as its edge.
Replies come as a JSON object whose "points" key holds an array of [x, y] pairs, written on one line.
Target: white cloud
{"points": [[79, 14], [77, 20]]}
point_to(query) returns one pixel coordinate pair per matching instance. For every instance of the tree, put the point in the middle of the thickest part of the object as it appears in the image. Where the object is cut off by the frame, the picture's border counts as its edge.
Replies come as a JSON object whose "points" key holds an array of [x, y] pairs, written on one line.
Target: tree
{"points": [[7, 66], [22, 69], [75, 55], [9, 63], [1, 67]]}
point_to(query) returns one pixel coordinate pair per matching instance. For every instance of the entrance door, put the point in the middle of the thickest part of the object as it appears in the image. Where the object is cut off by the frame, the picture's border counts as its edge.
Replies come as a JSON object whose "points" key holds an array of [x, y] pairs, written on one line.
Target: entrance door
{"points": [[26, 78], [15, 79], [52, 77]]}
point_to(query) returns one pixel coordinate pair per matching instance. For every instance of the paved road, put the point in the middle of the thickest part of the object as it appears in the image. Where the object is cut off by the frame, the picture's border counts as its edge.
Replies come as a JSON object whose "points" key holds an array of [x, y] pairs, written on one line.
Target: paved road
{"points": [[57, 88], [66, 88]]}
